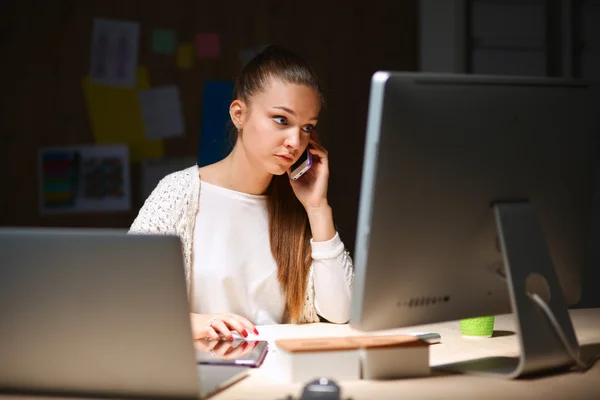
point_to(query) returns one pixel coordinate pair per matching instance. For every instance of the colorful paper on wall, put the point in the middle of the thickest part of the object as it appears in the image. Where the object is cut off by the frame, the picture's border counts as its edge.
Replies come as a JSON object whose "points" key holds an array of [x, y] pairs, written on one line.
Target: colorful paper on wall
{"points": [[208, 45], [185, 56], [115, 116], [114, 54], [84, 179], [215, 125], [59, 178], [163, 41]]}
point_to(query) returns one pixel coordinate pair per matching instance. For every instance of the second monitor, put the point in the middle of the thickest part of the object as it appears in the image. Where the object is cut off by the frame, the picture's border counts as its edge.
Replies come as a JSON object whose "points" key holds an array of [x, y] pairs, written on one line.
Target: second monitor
{"points": [[465, 176]]}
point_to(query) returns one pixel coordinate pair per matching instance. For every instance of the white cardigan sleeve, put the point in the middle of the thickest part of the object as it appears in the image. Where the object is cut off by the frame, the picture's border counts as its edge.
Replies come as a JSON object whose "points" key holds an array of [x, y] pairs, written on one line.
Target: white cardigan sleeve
{"points": [[171, 209], [158, 215], [333, 277], [170, 206]]}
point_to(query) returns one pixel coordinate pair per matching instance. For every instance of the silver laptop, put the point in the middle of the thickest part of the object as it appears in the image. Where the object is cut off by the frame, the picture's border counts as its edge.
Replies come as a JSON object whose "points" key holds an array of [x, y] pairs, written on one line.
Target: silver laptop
{"points": [[101, 313]]}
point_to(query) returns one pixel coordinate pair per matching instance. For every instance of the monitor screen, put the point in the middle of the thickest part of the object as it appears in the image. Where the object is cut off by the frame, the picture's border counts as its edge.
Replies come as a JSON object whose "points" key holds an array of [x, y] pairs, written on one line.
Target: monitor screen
{"points": [[440, 150]]}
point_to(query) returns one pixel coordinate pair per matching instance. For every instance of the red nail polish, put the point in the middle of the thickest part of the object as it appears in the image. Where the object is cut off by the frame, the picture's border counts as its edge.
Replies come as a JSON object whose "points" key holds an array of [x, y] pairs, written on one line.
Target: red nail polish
{"points": [[244, 345], [256, 331], [231, 338], [245, 333]]}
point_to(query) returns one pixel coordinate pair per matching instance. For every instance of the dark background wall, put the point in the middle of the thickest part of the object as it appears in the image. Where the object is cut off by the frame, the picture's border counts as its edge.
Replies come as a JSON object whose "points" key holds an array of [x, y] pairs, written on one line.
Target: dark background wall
{"points": [[45, 52]]}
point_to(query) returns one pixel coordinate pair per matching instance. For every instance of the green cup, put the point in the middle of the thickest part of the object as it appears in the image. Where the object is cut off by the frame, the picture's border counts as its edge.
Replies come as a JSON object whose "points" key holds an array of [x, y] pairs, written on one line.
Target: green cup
{"points": [[478, 327]]}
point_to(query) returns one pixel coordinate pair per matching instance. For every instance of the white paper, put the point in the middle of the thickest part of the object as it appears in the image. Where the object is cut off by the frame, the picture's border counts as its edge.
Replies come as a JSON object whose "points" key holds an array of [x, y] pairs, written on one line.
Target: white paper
{"points": [[154, 169], [114, 57], [84, 179], [161, 112]]}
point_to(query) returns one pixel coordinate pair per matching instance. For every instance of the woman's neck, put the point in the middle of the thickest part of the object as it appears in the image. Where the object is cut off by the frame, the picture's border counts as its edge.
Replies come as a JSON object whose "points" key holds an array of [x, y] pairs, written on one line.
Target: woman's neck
{"points": [[237, 173]]}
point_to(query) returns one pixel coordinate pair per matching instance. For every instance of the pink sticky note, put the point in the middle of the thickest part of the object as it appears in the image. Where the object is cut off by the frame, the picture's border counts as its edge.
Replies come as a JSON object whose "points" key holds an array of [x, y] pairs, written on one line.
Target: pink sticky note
{"points": [[208, 45]]}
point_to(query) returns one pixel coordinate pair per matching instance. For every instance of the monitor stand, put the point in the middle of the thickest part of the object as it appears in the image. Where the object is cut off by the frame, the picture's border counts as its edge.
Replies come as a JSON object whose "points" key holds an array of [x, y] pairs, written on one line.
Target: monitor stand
{"points": [[529, 268]]}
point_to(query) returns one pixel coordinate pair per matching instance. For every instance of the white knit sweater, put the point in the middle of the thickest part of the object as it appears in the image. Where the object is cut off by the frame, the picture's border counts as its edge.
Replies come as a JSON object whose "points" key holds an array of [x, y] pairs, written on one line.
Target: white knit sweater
{"points": [[171, 208]]}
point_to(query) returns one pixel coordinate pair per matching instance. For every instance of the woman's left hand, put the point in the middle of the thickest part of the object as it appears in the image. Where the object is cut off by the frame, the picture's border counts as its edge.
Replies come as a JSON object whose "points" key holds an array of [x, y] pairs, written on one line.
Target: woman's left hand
{"points": [[311, 188]]}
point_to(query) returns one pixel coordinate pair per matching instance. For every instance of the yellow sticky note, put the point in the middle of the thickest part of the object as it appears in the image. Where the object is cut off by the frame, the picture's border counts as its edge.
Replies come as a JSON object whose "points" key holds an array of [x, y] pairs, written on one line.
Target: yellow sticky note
{"points": [[116, 116], [185, 55]]}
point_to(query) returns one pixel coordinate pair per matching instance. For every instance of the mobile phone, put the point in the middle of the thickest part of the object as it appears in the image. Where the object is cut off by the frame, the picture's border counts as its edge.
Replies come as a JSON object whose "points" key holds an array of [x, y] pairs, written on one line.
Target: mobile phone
{"points": [[429, 337], [252, 358], [302, 165]]}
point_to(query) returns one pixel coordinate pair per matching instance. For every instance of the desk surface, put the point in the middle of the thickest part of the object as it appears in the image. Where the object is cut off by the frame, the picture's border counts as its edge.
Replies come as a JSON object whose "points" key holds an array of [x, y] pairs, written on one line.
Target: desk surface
{"points": [[259, 385], [452, 348]]}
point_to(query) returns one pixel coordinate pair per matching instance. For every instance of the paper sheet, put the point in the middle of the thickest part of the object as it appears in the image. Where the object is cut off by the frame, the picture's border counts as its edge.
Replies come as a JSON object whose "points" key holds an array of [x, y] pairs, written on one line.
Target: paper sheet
{"points": [[208, 45], [215, 123], [163, 41], [161, 112], [114, 54], [245, 55], [185, 56], [153, 170], [115, 117], [84, 179]]}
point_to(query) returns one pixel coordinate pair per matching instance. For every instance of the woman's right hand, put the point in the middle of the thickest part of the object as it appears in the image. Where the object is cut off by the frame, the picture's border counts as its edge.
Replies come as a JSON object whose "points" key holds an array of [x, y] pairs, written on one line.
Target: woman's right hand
{"points": [[220, 326]]}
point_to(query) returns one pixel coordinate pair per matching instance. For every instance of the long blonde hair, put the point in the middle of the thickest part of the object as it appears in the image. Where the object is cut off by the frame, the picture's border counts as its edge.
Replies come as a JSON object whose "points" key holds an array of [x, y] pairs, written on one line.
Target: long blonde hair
{"points": [[289, 230]]}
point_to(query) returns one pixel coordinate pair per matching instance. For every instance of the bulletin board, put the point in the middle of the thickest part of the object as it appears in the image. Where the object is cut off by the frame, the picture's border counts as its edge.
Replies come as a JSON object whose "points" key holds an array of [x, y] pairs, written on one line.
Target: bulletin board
{"points": [[105, 71]]}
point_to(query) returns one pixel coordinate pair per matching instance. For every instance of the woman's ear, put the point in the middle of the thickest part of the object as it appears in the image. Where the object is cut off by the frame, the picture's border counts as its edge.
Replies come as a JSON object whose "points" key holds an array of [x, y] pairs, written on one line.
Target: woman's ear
{"points": [[237, 110]]}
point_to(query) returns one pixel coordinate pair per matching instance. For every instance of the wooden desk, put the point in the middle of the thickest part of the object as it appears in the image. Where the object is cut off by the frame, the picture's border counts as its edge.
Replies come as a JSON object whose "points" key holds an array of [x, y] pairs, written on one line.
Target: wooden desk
{"points": [[453, 348], [260, 385]]}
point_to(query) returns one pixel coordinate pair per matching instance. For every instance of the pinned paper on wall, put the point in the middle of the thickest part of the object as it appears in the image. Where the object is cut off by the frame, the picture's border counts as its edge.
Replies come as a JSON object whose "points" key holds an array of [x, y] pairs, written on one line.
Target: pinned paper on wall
{"points": [[163, 41], [161, 112], [215, 125], [247, 54], [185, 56], [115, 117], [154, 169], [114, 54], [208, 45], [84, 179]]}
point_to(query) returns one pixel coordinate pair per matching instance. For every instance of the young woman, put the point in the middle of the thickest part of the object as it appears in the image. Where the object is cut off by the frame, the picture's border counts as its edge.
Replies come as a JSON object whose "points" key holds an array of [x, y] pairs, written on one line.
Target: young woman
{"points": [[259, 247]]}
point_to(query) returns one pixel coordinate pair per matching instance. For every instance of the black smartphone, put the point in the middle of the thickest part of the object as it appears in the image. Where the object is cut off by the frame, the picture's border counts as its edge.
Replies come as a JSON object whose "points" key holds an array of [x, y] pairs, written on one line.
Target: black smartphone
{"points": [[226, 352]]}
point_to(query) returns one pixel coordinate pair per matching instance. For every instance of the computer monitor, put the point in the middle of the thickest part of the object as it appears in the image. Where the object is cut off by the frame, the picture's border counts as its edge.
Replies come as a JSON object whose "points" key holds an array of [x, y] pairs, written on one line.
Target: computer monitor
{"points": [[468, 179]]}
